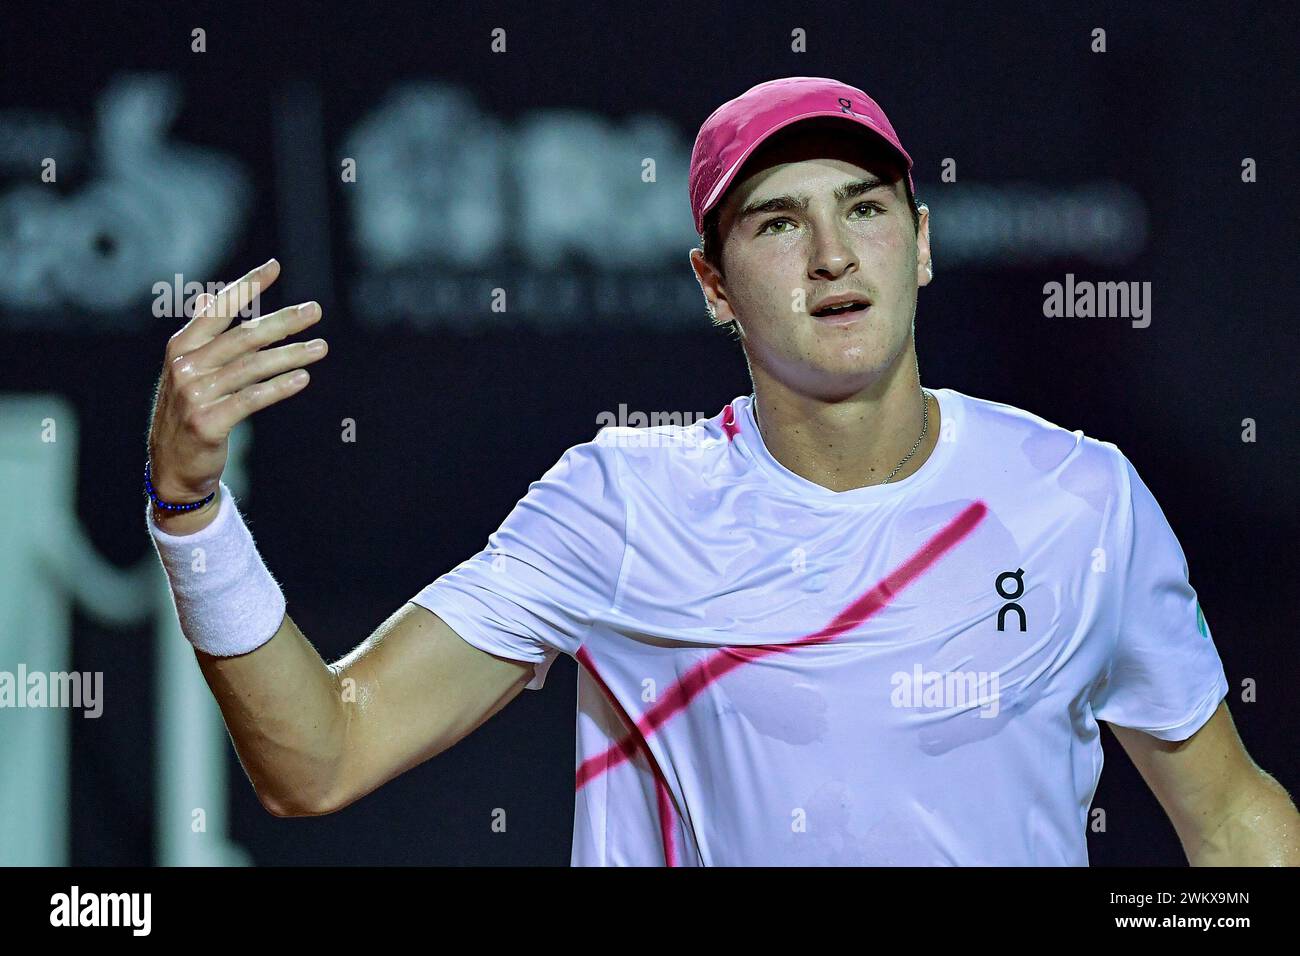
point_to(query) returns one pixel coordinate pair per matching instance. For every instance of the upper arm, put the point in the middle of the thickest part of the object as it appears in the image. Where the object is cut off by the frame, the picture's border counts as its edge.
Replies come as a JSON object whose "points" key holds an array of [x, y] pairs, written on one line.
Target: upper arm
{"points": [[411, 690], [1196, 780]]}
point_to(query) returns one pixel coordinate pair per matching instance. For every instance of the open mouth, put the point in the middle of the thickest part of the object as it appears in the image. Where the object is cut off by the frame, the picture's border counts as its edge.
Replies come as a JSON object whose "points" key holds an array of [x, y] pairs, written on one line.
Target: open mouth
{"points": [[831, 311]]}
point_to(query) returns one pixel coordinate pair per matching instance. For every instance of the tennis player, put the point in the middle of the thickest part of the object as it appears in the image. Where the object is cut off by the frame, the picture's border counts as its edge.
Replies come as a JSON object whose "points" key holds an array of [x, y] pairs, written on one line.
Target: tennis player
{"points": [[848, 620]]}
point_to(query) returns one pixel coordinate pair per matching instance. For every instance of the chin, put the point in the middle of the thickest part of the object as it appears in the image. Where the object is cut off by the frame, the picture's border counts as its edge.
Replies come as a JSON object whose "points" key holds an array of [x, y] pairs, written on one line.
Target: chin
{"points": [[839, 365], [864, 350], [845, 368], [832, 381], [849, 359]]}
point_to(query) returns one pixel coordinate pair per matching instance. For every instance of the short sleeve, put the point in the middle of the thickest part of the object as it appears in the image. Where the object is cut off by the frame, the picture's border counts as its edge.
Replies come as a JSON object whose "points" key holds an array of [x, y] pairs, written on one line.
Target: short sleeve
{"points": [[552, 564], [1165, 676]]}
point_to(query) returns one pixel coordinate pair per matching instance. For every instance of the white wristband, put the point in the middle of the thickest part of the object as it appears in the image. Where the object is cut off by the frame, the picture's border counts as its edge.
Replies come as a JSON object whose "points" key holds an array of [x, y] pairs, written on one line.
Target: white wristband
{"points": [[225, 597]]}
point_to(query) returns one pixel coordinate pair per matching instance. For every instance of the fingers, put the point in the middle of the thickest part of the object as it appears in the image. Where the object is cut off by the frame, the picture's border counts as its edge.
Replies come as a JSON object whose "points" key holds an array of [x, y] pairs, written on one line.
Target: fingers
{"points": [[221, 417], [256, 366], [213, 314], [234, 298], [216, 372], [251, 335]]}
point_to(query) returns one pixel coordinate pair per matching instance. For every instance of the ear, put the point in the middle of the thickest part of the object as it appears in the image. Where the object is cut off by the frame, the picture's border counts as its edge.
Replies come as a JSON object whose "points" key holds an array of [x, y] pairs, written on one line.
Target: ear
{"points": [[924, 266], [715, 296]]}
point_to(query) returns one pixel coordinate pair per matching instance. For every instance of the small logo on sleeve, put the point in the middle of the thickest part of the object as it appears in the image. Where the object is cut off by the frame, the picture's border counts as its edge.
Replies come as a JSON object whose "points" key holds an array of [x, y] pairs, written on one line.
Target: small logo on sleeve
{"points": [[1200, 622]]}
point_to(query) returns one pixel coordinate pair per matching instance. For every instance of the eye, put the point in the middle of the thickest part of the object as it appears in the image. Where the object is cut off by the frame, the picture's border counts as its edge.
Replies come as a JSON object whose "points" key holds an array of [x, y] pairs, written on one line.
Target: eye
{"points": [[873, 206], [772, 222]]}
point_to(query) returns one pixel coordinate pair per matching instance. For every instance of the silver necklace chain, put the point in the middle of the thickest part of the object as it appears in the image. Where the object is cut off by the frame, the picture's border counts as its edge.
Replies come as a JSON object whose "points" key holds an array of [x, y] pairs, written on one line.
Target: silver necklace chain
{"points": [[925, 430]]}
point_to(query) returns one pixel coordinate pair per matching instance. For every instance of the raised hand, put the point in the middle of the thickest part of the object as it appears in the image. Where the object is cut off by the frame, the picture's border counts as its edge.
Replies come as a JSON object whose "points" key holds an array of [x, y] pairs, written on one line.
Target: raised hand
{"points": [[214, 376]]}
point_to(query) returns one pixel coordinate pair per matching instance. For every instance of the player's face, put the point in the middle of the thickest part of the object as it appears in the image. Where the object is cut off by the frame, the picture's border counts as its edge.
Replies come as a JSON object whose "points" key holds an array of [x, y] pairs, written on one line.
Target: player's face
{"points": [[781, 262]]}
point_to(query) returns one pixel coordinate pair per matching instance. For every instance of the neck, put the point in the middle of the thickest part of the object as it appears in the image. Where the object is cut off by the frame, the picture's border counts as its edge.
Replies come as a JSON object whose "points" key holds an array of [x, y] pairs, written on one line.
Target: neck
{"points": [[847, 443]]}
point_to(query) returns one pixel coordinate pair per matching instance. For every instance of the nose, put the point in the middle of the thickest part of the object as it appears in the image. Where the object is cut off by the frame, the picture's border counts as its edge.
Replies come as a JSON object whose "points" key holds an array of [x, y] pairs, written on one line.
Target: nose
{"points": [[832, 254]]}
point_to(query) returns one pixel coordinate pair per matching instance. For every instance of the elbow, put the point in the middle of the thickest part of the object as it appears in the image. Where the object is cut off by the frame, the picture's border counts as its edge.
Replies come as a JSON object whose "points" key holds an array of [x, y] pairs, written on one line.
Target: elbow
{"points": [[1259, 829], [296, 805], [294, 810]]}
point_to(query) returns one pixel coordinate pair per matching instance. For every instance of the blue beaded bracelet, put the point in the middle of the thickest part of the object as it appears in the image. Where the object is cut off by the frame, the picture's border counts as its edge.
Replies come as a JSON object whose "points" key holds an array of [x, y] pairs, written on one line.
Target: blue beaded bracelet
{"points": [[168, 506]]}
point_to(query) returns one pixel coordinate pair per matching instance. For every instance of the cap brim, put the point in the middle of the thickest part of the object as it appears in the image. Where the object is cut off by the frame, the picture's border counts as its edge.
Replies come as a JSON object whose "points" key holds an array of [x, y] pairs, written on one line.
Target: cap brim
{"points": [[721, 186]]}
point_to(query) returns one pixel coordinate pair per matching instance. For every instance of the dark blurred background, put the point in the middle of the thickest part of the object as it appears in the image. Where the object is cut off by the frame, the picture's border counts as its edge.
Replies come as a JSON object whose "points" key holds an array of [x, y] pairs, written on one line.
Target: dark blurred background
{"points": [[522, 170]]}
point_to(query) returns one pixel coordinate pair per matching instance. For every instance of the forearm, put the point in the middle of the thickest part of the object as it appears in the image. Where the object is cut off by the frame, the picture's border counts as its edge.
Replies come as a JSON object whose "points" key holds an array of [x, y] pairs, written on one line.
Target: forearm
{"points": [[1260, 828], [283, 707], [280, 702]]}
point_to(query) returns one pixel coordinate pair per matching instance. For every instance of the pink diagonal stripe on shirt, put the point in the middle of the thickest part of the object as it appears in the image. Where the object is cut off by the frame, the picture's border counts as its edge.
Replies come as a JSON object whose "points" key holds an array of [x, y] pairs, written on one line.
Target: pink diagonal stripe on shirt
{"points": [[729, 658], [629, 746]]}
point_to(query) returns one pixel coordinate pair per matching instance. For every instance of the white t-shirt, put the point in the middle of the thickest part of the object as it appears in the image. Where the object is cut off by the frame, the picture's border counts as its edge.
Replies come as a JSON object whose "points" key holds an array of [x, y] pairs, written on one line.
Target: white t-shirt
{"points": [[902, 674]]}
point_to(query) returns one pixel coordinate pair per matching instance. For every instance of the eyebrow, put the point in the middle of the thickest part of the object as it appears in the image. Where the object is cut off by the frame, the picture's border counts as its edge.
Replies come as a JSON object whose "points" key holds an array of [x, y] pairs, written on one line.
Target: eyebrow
{"points": [[800, 203]]}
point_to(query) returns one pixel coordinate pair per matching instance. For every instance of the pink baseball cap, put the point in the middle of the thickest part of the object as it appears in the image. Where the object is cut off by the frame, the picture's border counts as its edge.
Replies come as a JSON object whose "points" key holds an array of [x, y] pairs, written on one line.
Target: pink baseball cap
{"points": [[736, 128]]}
